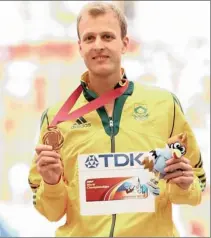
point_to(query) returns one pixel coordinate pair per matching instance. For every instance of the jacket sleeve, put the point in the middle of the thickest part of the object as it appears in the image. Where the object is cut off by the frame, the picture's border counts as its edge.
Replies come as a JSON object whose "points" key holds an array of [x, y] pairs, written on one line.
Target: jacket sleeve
{"points": [[49, 200], [193, 195]]}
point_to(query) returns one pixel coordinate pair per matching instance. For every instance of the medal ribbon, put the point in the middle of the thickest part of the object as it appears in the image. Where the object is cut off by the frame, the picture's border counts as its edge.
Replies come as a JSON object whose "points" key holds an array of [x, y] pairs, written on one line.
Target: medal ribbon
{"points": [[64, 115]]}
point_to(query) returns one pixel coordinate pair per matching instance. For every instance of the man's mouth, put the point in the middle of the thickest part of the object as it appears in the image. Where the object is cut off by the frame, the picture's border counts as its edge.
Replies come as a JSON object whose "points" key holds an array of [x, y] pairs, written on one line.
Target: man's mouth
{"points": [[100, 57]]}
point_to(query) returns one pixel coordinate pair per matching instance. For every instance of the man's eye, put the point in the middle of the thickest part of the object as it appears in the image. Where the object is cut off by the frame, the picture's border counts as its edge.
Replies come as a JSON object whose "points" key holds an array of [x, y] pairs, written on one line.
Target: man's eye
{"points": [[89, 38], [107, 37]]}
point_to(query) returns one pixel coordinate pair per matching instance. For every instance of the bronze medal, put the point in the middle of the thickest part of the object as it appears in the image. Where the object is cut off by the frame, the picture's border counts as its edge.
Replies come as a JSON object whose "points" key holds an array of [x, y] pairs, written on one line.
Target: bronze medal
{"points": [[54, 138]]}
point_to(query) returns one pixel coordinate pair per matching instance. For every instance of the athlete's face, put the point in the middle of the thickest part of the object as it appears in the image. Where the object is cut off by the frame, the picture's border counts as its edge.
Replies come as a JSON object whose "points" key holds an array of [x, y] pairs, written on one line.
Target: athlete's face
{"points": [[101, 44]]}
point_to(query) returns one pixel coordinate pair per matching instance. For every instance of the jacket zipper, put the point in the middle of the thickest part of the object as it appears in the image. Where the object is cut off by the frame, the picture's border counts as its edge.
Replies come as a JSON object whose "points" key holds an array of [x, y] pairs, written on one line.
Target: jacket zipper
{"points": [[111, 124]]}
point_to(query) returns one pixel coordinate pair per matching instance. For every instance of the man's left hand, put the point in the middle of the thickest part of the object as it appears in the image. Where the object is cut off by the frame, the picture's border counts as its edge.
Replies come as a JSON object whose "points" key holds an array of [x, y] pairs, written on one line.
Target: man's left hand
{"points": [[179, 171]]}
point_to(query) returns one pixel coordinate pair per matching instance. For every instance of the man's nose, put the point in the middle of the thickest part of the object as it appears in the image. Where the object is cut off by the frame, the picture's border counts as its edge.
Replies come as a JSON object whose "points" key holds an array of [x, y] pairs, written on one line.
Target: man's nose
{"points": [[99, 44]]}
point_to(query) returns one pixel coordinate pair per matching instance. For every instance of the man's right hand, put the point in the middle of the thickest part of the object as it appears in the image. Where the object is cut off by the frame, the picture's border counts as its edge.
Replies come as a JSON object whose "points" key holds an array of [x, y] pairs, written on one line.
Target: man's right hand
{"points": [[49, 164]]}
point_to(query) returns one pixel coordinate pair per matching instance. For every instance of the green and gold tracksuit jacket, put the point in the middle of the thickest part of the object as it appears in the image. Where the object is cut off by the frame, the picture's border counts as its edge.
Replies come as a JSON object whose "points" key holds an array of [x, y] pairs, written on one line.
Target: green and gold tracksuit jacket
{"points": [[143, 119]]}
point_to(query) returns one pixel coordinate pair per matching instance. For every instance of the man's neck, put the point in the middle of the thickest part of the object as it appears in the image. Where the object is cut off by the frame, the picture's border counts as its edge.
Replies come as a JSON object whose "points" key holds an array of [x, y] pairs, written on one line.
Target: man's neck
{"points": [[100, 84]]}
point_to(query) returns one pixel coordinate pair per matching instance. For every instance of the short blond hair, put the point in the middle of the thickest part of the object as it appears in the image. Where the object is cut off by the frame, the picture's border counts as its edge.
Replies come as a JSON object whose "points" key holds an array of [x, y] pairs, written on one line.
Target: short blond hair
{"points": [[95, 9]]}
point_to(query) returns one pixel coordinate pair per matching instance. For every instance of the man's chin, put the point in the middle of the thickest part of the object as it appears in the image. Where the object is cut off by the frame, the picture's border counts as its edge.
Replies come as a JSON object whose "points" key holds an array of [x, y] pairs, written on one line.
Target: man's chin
{"points": [[103, 71]]}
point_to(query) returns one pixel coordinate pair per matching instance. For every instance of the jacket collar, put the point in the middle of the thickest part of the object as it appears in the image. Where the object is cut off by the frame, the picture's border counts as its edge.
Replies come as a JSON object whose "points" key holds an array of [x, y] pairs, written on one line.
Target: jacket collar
{"points": [[90, 95]]}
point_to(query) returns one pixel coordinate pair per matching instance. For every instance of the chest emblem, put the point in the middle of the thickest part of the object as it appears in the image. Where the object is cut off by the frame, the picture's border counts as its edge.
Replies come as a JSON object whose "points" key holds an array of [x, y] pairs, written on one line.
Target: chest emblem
{"points": [[140, 112]]}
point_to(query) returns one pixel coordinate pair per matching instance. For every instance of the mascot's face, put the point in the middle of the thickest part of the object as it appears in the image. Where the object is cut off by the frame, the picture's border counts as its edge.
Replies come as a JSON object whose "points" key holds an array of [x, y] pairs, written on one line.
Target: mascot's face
{"points": [[178, 142]]}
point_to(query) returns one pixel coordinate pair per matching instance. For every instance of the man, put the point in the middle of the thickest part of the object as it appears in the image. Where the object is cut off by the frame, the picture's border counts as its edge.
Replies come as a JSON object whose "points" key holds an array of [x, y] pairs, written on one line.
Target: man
{"points": [[116, 127]]}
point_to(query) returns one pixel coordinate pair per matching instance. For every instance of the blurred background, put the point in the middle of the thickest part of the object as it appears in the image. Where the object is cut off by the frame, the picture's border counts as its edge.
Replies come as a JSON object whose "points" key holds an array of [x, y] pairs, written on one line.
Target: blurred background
{"points": [[40, 64]]}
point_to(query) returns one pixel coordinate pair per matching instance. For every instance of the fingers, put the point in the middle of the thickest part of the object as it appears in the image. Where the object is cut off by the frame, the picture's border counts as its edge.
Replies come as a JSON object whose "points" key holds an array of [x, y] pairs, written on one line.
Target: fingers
{"points": [[178, 166], [49, 154], [182, 180], [41, 148], [179, 171], [175, 160], [48, 167], [176, 174], [47, 160], [44, 155]]}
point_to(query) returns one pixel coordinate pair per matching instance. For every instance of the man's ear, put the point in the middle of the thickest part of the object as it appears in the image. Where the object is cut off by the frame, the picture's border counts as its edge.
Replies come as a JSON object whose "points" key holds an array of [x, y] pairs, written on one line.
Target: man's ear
{"points": [[125, 42], [79, 48]]}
